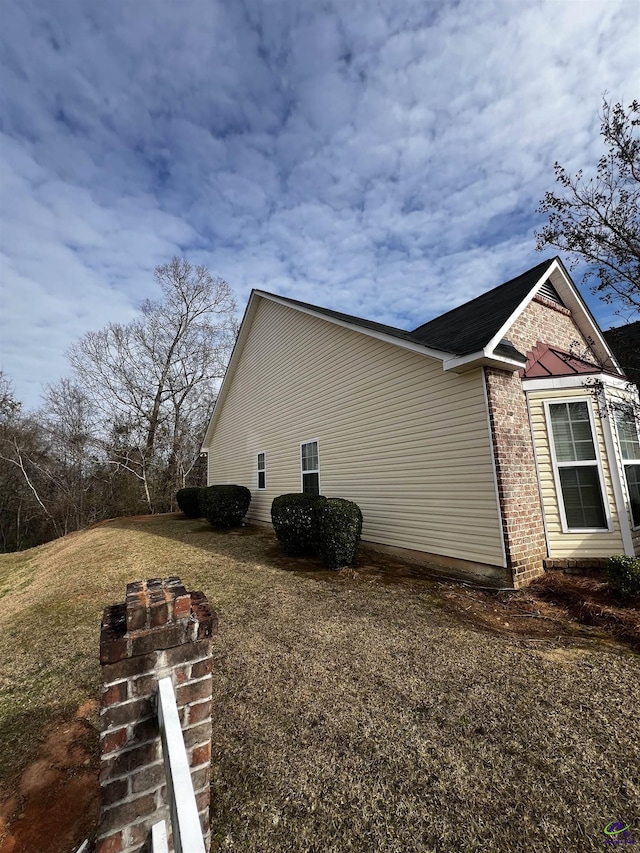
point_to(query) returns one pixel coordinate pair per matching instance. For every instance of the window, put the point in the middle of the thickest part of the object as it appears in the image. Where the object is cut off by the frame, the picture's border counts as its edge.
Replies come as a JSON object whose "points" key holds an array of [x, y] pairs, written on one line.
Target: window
{"points": [[262, 471], [576, 466], [310, 463], [627, 425]]}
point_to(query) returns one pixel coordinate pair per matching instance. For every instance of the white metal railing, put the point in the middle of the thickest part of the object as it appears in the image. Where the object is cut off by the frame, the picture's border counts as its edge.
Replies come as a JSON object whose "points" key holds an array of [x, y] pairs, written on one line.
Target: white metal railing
{"points": [[185, 822]]}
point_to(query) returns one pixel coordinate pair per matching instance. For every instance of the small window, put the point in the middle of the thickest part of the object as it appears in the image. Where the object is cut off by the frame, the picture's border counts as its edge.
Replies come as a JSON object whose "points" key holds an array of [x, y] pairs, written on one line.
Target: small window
{"points": [[262, 471], [627, 425], [310, 462], [577, 468]]}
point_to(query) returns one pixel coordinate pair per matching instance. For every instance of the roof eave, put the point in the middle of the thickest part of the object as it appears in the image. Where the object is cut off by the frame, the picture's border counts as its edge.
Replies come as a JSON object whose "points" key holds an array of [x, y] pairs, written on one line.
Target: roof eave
{"points": [[482, 358], [440, 355]]}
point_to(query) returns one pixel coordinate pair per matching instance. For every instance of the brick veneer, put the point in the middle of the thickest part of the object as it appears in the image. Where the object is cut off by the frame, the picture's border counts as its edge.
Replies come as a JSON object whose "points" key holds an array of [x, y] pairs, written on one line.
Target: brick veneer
{"points": [[522, 523], [543, 320], [522, 520], [161, 629]]}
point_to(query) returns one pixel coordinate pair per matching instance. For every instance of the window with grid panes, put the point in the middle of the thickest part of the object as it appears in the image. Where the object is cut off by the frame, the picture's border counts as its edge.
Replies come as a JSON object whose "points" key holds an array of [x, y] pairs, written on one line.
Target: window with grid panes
{"points": [[310, 463], [627, 425], [577, 465]]}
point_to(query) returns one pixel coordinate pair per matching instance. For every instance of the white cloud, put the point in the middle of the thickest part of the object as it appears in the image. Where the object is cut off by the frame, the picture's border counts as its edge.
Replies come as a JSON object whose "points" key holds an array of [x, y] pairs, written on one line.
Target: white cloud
{"points": [[383, 161]]}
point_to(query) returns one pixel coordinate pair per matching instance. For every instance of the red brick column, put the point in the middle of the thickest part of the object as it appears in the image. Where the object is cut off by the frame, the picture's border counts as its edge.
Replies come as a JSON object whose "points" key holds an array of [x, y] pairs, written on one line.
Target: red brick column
{"points": [[161, 630], [522, 520]]}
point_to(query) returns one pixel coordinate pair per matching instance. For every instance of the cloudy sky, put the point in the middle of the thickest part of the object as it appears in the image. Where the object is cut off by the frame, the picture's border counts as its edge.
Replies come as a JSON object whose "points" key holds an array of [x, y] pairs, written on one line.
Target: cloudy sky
{"points": [[380, 157]]}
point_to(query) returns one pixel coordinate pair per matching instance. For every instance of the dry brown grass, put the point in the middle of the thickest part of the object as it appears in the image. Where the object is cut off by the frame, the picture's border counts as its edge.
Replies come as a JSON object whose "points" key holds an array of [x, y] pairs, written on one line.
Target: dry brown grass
{"points": [[350, 714]]}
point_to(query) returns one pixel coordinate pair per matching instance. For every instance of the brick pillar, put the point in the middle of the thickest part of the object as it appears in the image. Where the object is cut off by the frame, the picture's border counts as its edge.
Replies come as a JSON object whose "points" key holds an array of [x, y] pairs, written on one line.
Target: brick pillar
{"points": [[161, 630], [522, 520]]}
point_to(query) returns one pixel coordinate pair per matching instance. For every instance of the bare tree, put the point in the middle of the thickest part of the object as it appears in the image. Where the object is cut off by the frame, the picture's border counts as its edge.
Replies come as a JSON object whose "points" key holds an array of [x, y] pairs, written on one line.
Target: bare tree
{"points": [[597, 220], [147, 377]]}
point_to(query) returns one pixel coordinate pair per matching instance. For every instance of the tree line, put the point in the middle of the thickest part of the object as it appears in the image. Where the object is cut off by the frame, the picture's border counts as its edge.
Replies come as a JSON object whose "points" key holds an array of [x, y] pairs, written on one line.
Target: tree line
{"points": [[122, 432]]}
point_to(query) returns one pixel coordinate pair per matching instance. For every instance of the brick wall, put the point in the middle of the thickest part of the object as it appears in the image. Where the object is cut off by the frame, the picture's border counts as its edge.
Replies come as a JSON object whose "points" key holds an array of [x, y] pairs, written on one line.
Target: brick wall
{"points": [[522, 522], [160, 630], [545, 321]]}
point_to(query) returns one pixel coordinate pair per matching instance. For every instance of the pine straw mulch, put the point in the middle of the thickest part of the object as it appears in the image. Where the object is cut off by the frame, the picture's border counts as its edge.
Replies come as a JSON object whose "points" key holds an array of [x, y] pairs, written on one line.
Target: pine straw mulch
{"points": [[591, 601]]}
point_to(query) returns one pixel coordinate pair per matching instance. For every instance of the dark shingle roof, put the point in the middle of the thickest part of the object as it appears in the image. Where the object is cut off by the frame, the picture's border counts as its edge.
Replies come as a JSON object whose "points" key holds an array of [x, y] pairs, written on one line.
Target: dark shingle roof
{"points": [[350, 318], [463, 330], [471, 326]]}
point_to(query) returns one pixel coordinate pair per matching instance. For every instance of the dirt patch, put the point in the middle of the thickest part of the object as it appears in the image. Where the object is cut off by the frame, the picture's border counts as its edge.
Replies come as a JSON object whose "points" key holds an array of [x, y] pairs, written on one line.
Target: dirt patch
{"points": [[56, 804]]}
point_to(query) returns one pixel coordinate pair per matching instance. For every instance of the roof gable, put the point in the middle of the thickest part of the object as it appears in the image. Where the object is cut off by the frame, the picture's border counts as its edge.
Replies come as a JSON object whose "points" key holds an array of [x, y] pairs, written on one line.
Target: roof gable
{"points": [[470, 327]]}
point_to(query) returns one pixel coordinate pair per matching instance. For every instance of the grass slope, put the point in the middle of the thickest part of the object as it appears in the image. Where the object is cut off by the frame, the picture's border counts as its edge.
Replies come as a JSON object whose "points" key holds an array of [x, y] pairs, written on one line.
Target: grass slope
{"points": [[348, 716]]}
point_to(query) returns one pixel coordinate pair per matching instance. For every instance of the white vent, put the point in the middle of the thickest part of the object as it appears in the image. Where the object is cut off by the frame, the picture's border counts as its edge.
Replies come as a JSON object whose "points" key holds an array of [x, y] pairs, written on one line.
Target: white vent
{"points": [[549, 292]]}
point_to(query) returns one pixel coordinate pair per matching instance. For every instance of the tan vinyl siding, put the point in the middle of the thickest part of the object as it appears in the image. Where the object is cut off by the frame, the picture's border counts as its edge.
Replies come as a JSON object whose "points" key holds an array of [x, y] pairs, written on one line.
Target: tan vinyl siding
{"points": [[406, 441], [580, 544]]}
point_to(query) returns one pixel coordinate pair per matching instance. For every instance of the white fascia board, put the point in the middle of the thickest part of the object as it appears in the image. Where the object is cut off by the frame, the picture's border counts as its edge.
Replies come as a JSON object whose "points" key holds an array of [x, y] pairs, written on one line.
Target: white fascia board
{"points": [[495, 340], [582, 380], [583, 317], [574, 302], [354, 327], [482, 358]]}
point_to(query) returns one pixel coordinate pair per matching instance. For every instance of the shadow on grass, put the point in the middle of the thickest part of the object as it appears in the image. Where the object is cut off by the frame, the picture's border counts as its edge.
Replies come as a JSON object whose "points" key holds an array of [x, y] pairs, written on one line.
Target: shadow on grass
{"points": [[254, 542], [569, 607]]}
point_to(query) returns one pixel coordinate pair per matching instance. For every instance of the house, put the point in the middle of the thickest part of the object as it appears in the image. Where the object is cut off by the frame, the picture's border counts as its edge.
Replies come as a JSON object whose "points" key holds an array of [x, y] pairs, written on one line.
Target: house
{"points": [[485, 440]]}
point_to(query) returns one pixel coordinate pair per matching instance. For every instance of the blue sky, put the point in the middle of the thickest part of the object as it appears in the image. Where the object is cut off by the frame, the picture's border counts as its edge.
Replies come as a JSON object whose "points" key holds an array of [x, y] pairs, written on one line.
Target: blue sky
{"points": [[380, 158]]}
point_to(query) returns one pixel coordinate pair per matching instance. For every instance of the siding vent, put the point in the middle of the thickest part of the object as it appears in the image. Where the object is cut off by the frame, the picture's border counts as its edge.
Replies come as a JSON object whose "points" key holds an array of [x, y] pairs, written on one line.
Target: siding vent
{"points": [[549, 292]]}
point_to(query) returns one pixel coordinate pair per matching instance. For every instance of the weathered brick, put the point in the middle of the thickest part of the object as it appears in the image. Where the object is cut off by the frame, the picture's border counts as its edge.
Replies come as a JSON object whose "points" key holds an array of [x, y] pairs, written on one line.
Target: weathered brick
{"points": [[110, 844], [203, 800], [113, 792], [201, 668], [129, 761], [111, 741], [200, 754], [143, 642], [115, 693], [144, 686], [195, 735], [194, 691], [139, 665], [129, 712], [148, 779], [199, 712], [144, 730], [185, 653], [124, 814]]}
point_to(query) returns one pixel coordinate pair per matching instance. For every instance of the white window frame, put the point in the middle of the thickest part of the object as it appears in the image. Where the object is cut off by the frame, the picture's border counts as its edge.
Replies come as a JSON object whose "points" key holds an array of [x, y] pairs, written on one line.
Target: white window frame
{"points": [[260, 470], [624, 462], [579, 464], [315, 470]]}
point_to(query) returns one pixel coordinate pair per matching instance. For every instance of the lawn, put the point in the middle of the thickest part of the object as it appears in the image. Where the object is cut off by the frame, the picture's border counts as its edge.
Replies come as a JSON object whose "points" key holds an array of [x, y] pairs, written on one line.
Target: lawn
{"points": [[350, 713]]}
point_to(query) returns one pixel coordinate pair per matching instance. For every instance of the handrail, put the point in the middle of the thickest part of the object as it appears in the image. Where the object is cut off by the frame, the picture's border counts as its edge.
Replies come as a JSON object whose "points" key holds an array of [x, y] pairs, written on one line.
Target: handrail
{"points": [[185, 822]]}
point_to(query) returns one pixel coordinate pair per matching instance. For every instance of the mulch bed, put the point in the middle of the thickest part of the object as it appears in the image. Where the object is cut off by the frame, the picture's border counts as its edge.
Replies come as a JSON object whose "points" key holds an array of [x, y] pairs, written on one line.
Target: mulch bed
{"points": [[591, 601]]}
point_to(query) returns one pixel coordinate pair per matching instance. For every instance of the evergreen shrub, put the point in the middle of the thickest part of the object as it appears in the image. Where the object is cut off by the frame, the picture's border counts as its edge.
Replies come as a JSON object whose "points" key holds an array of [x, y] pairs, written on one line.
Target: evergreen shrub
{"points": [[189, 501], [294, 519], [624, 574], [312, 524], [224, 506], [339, 526]]}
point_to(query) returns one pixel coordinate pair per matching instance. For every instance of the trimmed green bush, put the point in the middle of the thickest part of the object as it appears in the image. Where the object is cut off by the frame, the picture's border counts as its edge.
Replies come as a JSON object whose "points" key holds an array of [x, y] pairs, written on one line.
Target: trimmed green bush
{"points": [[294, 519], [624, 574], [339, 525], [224, 506], [189, 501]]}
